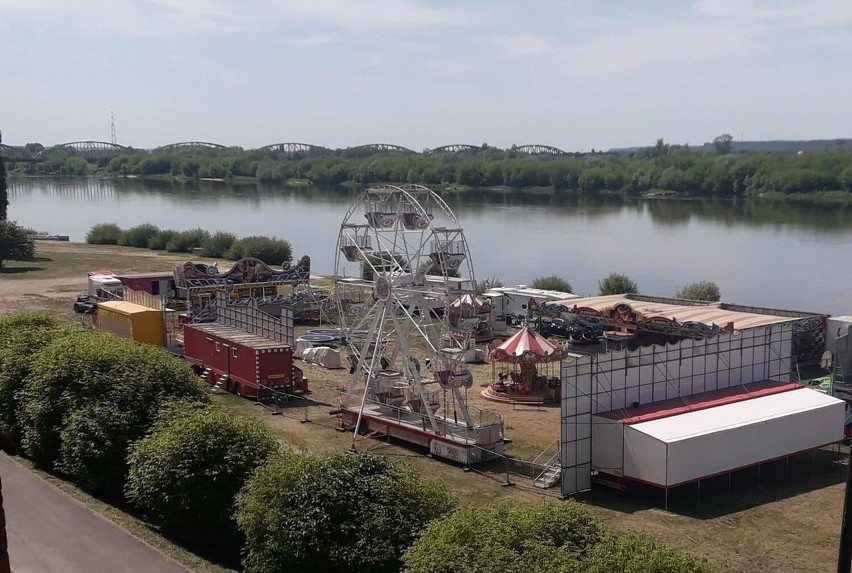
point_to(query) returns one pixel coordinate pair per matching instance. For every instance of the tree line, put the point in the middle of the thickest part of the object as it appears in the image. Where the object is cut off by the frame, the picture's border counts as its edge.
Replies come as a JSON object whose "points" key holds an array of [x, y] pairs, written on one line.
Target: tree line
{"points": [[662, 168], [135, 426]]}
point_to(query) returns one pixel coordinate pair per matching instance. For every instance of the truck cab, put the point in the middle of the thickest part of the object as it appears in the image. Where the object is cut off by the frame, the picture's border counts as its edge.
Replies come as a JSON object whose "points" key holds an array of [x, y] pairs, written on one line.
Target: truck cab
{"points": [[103, 285]]}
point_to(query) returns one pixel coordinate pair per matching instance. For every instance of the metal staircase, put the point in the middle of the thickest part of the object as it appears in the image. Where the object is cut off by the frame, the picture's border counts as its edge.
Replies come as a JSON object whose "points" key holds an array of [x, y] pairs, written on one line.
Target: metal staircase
{"points": [[549, 477], [552, 472]]}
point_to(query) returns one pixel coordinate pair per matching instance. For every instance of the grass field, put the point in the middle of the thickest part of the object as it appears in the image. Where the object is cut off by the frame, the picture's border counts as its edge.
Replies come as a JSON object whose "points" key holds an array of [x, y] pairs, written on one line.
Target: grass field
{"points": [[786, 518]]}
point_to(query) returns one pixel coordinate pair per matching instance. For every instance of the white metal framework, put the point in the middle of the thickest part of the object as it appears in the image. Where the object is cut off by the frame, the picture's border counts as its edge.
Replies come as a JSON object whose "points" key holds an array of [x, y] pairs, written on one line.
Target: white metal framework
{"points": [[401, 258], [626, 378]]}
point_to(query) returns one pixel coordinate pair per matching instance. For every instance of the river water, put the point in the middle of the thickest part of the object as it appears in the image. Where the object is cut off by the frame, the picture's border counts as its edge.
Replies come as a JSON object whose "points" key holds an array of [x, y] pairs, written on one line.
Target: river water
{"points": [[772, 255]]}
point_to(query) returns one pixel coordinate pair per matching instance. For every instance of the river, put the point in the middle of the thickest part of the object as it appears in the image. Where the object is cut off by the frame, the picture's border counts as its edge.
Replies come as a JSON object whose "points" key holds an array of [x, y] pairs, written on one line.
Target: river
{"points": [[766, 254]]}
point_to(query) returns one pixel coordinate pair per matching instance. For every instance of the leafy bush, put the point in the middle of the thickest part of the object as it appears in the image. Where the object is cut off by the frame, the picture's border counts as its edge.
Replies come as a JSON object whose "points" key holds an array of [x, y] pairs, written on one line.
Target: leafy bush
{"points": [[640, 554], [105, 376], [487, 284], [499, 538], [552, 282], [186, 473], [218, 244], [138, 236], [386, 262], [159, 241], [15, 243], [702, 290], [93, 446], [104, 234], [21, 336], [617, 283], [185, 241], [337, 513], [271, 251]]}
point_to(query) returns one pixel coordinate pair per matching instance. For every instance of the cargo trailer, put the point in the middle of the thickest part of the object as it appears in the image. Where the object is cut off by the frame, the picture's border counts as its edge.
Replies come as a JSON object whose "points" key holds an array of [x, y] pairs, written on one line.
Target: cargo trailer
{"points": [[133, 321], [241, 362]]}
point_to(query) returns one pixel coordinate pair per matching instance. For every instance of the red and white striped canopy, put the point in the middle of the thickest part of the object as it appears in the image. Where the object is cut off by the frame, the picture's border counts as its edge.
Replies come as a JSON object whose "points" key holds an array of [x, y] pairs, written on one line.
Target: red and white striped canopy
{"points": [[467, 300], [528, 346]]}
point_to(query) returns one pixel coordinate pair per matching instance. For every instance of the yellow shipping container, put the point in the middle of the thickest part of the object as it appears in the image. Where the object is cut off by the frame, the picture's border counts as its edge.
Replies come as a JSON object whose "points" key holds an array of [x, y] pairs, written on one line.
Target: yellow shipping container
{"points": [[134, 321]]}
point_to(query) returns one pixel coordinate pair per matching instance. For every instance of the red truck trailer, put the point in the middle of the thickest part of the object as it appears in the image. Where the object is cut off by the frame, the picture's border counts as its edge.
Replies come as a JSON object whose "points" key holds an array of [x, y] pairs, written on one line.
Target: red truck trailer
{"points": [[239, 361]]}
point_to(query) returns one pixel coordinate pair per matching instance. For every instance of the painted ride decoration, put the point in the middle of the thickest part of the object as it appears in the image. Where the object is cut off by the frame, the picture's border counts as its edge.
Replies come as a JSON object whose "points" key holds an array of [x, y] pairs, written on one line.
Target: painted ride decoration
{"points": [[247, 270]]}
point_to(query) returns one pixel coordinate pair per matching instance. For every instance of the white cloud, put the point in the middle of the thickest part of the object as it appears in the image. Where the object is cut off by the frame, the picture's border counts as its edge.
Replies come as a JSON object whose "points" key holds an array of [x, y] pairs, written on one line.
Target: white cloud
{"points": [[369, 60], [520, 45], [376, 14], [317, 40], [784, 14], [131, 17], [654, 47], [448, 67]]}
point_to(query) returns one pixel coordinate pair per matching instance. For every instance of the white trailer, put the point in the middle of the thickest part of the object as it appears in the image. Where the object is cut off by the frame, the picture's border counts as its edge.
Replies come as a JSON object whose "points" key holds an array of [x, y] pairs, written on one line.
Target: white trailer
{"points": [[103, 285], [513, 304]]}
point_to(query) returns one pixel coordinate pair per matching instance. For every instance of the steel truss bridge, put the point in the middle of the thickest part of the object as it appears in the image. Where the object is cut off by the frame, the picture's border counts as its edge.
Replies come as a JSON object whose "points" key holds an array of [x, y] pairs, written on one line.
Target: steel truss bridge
{"points": [[102, 150]]}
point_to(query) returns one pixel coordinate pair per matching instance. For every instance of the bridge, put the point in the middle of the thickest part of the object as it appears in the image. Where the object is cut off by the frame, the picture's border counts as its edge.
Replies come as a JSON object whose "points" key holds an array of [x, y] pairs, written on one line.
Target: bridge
{"points": [[90, 150], [455, 148], [292, 149], [101, 150], [537, 149]]}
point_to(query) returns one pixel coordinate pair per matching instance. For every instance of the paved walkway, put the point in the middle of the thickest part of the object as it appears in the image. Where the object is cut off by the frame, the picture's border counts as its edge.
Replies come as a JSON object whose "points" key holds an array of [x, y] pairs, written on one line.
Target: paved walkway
{"points": [[50, 532]]}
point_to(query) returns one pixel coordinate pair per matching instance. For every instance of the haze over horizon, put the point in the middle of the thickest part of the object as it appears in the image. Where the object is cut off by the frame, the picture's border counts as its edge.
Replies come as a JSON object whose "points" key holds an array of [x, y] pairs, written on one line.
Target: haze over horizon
{"points": [[575, 75]]}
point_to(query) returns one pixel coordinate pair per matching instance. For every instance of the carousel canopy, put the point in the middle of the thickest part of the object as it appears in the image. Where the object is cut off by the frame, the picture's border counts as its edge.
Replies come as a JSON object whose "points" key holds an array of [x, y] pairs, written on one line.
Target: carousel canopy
{"points": [[467, 300], [528, 345]]}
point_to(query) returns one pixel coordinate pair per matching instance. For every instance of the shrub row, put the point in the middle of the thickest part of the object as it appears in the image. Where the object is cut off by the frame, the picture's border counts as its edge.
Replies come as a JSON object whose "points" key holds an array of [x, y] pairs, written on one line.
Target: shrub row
{"points": [[220, 244]]}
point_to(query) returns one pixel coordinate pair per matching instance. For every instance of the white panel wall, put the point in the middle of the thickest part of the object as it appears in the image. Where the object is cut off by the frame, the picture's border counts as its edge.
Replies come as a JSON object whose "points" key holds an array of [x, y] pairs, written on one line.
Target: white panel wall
{"points": [[617, 380], [607, 445], [710, 454], [644, 457]]}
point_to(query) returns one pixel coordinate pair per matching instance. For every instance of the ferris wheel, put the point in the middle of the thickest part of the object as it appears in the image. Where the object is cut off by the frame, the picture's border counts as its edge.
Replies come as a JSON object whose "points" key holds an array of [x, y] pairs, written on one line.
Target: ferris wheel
{"points": [[401, 259]]}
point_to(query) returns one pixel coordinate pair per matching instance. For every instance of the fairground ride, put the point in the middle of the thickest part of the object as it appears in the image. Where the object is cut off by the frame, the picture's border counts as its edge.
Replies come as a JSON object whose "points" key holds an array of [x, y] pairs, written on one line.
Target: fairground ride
{"points": [[401, 259]]}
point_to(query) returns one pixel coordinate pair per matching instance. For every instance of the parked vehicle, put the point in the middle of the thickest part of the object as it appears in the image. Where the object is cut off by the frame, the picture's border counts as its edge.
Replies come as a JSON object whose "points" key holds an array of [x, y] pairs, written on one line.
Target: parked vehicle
{"points": [[575, 333]]}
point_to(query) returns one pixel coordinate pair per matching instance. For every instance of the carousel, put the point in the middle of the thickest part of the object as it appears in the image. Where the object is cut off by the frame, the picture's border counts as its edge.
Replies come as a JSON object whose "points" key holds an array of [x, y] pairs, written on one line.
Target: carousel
{"points": [[525, 368], [469, 313]]}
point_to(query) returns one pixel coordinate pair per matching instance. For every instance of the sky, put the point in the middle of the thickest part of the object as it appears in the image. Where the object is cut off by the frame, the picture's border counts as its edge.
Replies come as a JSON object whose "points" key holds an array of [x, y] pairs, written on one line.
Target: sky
{"points": [[577, 75]]}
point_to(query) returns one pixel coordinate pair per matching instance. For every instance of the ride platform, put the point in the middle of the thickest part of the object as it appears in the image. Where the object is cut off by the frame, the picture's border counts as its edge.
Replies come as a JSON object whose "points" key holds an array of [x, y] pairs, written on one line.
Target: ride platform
{"points": [[453, 439]]}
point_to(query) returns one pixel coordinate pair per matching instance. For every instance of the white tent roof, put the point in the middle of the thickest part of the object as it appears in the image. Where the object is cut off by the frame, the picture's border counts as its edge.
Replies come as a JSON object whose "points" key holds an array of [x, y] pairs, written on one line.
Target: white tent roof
{"points": [[727, 416]]}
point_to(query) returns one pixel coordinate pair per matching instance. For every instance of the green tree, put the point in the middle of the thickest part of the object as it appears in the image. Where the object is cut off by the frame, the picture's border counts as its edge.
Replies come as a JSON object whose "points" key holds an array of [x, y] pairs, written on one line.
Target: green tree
{"points": [[88, 377], [104, 234], [337, 513], [187, 472], [641, 554], [159, 241], [488, 284], [15, 243], [218, 244], [702, 290], [22, 335], [723, 143], [138, 236], [185, 241], [507, 538], [617, 283], [552, 282], [272, 251]]}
